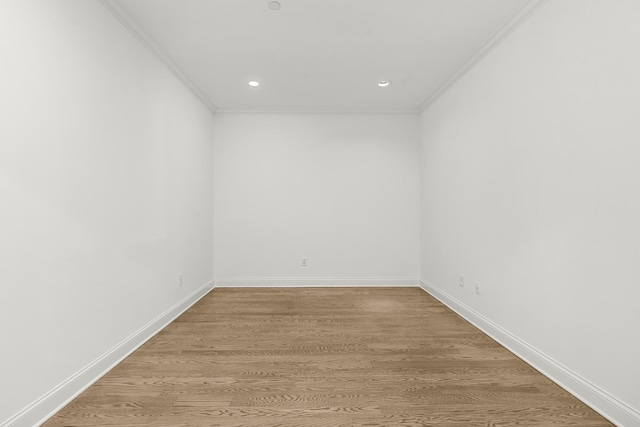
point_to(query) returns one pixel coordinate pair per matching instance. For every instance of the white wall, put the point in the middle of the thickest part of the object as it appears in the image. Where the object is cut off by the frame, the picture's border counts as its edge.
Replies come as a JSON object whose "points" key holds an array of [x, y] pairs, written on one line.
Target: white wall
{"points": [[105, 184], [530, 185], [339, 190]]}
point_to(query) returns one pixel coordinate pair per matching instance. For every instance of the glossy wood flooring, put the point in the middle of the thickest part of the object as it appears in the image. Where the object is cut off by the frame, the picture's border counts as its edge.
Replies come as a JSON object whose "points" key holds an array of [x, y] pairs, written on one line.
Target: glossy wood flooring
{"points": [[323, 357]]}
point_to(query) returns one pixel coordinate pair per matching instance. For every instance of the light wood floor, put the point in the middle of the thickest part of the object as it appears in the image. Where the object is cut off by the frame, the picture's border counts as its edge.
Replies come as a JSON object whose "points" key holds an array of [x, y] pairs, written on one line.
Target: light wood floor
{"points": [[323, 357]]}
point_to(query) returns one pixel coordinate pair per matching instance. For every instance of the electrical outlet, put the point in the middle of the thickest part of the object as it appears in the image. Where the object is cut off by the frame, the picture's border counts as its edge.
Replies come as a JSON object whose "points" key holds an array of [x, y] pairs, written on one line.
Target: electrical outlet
{"points": [[180, 280], [461, 281], [304, 262], [478, 288]]}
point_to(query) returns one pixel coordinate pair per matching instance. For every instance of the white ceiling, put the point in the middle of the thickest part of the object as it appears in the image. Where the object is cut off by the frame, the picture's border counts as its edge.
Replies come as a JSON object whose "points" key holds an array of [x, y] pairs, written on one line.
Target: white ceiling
{"points": [[320, 55]]}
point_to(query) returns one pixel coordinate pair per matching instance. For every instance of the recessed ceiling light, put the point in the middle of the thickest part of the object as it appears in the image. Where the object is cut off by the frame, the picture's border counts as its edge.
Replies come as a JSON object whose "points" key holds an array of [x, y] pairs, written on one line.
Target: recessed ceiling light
{"points": [[384, 83], [274, 5], [254, 83]]}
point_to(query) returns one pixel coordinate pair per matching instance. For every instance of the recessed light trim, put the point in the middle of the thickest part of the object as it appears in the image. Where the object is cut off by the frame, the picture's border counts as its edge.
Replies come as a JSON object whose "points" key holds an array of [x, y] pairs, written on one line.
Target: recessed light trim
{"points": [[254, 83], [384, 83], [274, 5]]}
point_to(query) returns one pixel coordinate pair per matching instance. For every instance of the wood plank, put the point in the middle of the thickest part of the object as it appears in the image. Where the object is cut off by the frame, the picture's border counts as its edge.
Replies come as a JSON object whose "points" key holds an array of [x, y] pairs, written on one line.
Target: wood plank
{"points": [[308, 357]]}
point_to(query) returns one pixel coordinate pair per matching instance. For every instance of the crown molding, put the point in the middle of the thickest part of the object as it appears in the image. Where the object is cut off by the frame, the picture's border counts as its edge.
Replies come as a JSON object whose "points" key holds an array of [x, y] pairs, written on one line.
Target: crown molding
{"points": [[524, 13], [127, 21], [147, 41]]}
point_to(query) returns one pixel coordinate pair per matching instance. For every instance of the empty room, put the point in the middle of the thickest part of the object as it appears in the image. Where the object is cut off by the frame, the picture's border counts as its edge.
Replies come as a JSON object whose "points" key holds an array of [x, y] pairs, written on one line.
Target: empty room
{"points": [[320, 213]]}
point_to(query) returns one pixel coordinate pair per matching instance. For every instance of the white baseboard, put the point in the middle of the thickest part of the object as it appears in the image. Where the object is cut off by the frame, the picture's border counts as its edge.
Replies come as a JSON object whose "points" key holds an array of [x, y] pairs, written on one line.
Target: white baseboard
{"points": [[601, 401], [45, 407], [306, 282], [604, 403]]}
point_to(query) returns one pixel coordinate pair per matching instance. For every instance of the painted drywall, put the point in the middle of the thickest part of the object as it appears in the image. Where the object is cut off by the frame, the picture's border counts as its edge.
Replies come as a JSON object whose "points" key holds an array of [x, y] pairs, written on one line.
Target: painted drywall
{"points": [[105, 184], [338, 190], [529, 185]]}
